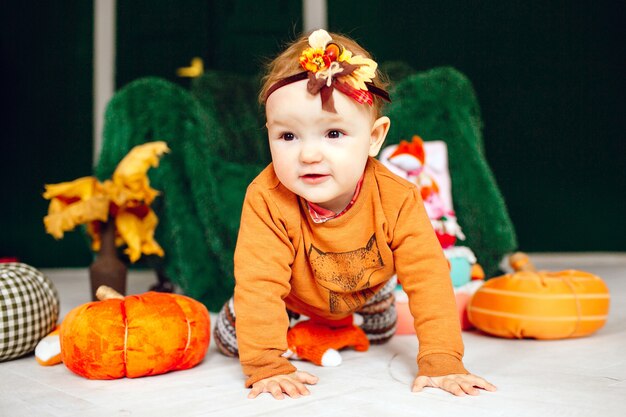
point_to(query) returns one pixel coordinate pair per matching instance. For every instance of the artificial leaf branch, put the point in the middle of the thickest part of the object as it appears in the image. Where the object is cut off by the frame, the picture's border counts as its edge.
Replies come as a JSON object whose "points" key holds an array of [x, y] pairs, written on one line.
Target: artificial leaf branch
{"points": [[125, 198]]}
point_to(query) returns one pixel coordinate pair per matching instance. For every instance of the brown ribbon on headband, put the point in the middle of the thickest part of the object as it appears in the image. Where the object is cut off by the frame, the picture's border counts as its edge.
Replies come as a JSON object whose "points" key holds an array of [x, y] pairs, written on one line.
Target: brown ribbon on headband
{"points": [[378, 91], [288, 80], [324, 90]]}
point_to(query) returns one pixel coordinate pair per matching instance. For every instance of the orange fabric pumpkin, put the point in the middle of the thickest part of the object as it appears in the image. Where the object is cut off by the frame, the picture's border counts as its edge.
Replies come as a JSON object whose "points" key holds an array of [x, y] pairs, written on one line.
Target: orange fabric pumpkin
{"points": [[134, 336], [540, 304]]}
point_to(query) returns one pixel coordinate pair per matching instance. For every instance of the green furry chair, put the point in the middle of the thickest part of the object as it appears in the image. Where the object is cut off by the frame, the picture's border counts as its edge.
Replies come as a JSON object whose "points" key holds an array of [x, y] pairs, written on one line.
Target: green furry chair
{"points": [[219, 144]]}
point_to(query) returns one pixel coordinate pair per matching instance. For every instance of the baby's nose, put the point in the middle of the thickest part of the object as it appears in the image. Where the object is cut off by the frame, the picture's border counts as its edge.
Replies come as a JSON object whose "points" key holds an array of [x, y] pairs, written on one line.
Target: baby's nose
{"points": [[310, 151]]}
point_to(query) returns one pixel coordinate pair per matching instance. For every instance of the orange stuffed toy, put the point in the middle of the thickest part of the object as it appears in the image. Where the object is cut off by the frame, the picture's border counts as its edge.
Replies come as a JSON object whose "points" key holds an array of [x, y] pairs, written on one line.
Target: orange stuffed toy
{"points": [[134, 336], [540, 304], [319, 341]]}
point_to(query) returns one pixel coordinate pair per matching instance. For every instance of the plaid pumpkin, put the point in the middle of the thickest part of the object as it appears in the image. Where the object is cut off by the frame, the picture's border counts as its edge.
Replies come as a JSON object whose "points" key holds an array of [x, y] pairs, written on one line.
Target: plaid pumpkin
{"points": [[29, 309]]}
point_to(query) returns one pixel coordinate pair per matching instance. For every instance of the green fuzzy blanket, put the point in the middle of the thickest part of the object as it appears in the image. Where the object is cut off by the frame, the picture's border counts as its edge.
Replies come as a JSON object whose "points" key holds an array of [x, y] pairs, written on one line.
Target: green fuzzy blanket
{"points": [[218, 145]]}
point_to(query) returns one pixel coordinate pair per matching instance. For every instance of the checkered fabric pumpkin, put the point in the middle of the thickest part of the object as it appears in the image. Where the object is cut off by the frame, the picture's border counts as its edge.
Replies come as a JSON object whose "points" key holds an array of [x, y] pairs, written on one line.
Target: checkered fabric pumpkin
{"points": [[29, 309]]}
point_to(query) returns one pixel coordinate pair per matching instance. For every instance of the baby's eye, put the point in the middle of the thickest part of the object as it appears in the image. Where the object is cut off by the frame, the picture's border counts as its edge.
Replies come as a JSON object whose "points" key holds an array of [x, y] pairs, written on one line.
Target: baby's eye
{"points": [[287, 136], [335, 134]]}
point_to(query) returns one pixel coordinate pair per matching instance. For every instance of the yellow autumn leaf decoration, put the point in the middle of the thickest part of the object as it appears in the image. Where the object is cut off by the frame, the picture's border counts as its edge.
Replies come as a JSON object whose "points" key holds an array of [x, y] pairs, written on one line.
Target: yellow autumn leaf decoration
{"points": [[130, 177], [138, 233], [126, 197], [73, 203], [366, 71]]}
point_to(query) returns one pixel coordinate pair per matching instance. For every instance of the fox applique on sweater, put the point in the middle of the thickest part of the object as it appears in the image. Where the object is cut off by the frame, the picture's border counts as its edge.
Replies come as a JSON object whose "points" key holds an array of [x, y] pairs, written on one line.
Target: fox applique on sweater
{"points": [[346, 274]]}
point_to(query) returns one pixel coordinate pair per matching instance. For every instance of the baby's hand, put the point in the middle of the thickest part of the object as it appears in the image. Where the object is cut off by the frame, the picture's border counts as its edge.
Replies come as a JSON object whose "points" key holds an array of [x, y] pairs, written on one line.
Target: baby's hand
{"points": [[457, 384], [291, 384]]}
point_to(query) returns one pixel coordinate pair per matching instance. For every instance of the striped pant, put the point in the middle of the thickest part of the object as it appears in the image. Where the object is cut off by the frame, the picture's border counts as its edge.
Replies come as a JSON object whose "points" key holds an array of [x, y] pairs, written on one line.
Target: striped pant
{"points": [[379, 319]]}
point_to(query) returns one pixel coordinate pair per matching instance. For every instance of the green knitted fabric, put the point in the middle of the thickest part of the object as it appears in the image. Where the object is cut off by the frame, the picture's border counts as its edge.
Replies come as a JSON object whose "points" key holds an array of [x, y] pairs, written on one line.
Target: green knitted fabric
{"points": [[232, 99], [154, 109], [440, 104], [218, 145]]}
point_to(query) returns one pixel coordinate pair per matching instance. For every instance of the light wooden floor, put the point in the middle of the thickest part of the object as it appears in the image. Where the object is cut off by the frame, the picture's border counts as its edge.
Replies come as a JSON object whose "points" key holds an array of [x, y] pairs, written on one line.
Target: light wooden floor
{"points": [[576, 377]]}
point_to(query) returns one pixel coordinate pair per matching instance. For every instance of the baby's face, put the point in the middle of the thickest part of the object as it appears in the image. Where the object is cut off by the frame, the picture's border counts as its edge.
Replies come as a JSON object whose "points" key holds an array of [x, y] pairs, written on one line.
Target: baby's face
{"points": [[317, 154]]}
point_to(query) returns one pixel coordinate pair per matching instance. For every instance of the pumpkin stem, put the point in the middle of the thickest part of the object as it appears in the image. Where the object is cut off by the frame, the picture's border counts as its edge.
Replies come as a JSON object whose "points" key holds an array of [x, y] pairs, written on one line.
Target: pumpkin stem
{"points": [[107, 293], [521, 262]]}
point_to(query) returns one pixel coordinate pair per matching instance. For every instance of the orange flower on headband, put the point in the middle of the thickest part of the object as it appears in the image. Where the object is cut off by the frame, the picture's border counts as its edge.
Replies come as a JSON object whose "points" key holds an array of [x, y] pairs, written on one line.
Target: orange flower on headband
{"points": [[321, 53]]}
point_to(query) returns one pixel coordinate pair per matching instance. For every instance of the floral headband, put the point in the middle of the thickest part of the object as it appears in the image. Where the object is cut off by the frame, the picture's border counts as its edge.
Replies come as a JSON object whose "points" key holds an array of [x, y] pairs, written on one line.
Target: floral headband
{"points": [[329, 65]]}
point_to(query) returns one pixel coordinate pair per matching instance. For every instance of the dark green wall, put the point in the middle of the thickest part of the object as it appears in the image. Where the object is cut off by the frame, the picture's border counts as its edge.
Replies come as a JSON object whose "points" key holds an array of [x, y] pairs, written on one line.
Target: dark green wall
{"points": [[548, 75], [46, 122], [157, 37]]}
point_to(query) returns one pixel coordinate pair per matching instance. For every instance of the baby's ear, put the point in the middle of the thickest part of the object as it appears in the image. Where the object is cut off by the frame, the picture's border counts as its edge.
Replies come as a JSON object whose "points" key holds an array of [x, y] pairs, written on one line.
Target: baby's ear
{"points": [[379, 133]]}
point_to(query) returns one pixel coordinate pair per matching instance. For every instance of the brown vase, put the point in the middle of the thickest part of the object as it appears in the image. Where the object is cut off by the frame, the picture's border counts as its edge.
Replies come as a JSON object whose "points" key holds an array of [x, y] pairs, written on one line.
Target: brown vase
{"points": [[107, 268]]}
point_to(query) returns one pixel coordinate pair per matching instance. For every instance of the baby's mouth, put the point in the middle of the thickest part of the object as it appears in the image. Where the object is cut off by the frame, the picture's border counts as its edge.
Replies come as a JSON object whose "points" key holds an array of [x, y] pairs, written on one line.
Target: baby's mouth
{"points": [[313, 178]]}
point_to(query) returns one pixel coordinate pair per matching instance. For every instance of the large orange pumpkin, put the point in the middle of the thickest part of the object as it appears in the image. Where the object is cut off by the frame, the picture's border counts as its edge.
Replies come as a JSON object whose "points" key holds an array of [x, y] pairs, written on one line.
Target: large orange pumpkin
{"points": [[134, 336], [540, 304]]}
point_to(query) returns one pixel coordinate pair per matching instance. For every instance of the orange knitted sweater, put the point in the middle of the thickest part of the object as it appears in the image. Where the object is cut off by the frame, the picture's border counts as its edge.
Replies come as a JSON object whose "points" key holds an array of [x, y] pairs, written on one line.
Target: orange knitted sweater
{"points": [[285, 260]]}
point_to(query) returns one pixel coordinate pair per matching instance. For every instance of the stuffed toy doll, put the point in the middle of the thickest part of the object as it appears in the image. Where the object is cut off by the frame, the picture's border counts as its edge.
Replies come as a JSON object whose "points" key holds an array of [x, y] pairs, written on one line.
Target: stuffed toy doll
{"points": [[426, 165], [408, 160]]}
